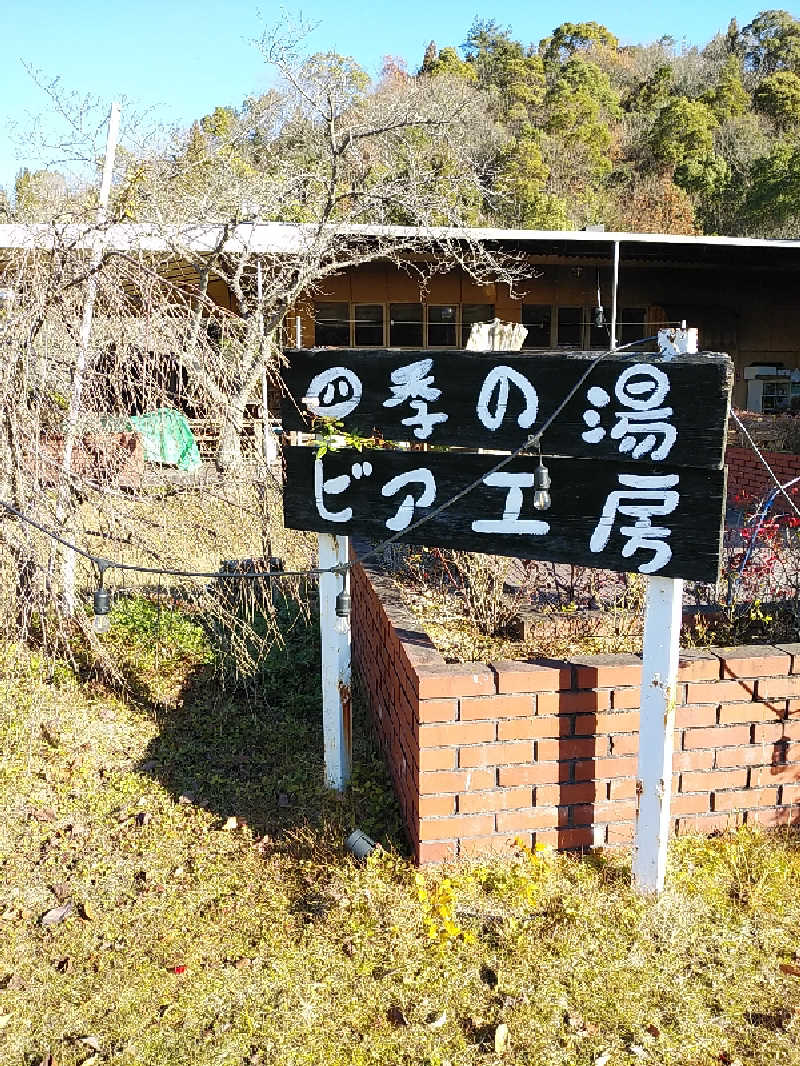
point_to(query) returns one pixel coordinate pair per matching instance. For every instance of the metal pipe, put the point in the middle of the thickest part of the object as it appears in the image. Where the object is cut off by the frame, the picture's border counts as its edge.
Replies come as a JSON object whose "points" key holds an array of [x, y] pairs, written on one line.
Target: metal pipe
{"points": [[614, 285]]}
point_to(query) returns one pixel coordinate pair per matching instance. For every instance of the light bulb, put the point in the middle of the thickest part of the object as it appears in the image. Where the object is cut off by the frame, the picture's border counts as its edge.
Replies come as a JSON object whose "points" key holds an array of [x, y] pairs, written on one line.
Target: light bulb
{"points": [[342, 624], [541, 483], [102, 606]]}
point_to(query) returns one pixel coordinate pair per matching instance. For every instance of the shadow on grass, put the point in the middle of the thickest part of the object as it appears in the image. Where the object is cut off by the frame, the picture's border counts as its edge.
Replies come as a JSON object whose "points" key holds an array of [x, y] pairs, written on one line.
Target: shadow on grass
{"points": [[255, 752]]}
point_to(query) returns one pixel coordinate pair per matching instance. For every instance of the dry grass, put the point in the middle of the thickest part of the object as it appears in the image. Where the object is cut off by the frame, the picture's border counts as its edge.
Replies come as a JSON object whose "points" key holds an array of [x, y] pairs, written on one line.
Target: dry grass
{"points": [[190, 940]]}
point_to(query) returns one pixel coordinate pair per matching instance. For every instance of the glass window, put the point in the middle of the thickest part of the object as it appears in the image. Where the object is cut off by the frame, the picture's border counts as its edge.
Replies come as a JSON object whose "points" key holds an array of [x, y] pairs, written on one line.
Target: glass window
{"points": [[442, 325], [631, 326], [405, 325], [472, 313], [368, 329], [536, 318], [332, 325], [570, 327]]}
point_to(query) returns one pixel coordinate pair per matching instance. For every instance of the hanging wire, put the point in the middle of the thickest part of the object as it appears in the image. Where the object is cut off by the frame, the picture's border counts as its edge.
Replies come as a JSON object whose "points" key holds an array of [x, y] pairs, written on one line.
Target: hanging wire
{"points": [[532, 442]]}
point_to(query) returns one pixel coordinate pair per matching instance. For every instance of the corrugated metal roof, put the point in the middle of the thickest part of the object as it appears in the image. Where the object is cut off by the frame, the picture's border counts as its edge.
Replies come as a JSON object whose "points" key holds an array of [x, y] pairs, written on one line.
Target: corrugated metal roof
{"points": [[277, 238]]}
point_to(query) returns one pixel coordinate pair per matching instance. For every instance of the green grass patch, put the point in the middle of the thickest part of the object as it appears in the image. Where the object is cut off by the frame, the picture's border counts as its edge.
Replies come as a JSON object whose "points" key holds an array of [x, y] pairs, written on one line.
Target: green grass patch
{"points": [[210, 914]]}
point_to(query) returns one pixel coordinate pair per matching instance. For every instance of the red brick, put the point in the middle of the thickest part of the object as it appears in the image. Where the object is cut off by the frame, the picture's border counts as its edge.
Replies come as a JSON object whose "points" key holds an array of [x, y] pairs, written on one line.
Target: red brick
{"points": [[577, 814], [619, 834], [434, 806], [437, 759], [581, 792], [793, 651], [455, 733], [509, 799], [614, 723], [771, 688], [436, 852], [547, 795], [534, 818], [431, 783], [718, 737], [623, 699], [690, 803], [623, 788], [718, 691], [791, 793], [692, 760], [453, 679], [593, 769], [572, 702], [609, 671], [698, 666], [545, 773], [746, 755], [615, 811], [731, 713], [753, 661], [460, 826], [774, 816], [531, 677], [780, 774], [707, 823], [693, 714], [495, 754], [707, 782], [575, 838], [437, 710], [624, 744], [547, 838], [570, 748], [479, 780], [769, 732], [493, 707], [530, 728], [741, 800], [492, 845], [792, 708]]}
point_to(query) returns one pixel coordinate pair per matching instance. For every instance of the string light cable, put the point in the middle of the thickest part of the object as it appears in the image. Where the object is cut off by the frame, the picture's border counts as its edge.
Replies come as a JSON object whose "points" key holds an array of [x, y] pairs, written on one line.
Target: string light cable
{"points": [[533, 442]]}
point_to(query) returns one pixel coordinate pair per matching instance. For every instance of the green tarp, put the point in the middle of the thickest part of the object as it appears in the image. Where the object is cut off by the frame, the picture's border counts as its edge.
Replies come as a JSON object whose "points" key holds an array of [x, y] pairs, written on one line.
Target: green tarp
{"points": [[167, 438]]}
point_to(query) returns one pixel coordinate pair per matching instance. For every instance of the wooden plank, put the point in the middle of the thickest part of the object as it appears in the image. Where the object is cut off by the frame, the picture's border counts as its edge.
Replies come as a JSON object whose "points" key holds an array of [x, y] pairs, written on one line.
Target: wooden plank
{"points": [[349, 491], [640, 406]]}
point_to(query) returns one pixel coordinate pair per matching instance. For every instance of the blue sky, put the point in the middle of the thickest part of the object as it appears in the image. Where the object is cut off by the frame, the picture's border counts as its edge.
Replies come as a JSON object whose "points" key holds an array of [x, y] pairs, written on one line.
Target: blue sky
{"points": [[183, 57]]}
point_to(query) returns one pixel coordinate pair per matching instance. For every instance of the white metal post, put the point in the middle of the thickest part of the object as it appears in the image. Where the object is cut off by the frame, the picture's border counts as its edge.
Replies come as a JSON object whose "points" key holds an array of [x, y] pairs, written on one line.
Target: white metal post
{"points": [[336, 665], [614, 287], [662, 627]]}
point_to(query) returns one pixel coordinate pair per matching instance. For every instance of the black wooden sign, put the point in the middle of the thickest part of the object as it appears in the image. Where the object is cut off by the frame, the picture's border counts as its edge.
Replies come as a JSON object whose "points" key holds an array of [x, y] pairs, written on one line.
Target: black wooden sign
{"points": [[664, 520], [638, 407]]}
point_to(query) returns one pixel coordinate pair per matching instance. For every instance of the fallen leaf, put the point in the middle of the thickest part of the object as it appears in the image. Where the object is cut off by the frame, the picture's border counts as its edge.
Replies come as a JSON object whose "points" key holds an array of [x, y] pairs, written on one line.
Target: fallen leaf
{"points": [[231, 823], [90, 1041], [64, 965], [638, 1050], [396, 1016], [437, 1023], [49, 737], [500, 1038], [790, 969], [4, 1020], [242, 964], [601, 1060], [61, 891], [653, 1030], [86, 912], [178, 969], [9, 915], [56, 915], [44, 814]]}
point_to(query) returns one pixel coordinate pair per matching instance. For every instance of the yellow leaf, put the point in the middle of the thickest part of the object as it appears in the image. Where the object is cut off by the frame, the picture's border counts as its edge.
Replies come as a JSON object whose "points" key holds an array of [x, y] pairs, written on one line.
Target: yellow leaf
{"points": [[500, 1038]]}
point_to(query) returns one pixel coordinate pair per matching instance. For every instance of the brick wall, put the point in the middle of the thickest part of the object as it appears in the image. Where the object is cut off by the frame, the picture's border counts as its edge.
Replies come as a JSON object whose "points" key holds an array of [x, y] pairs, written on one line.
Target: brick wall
{"points": [[748, 477], [482, 753]]}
